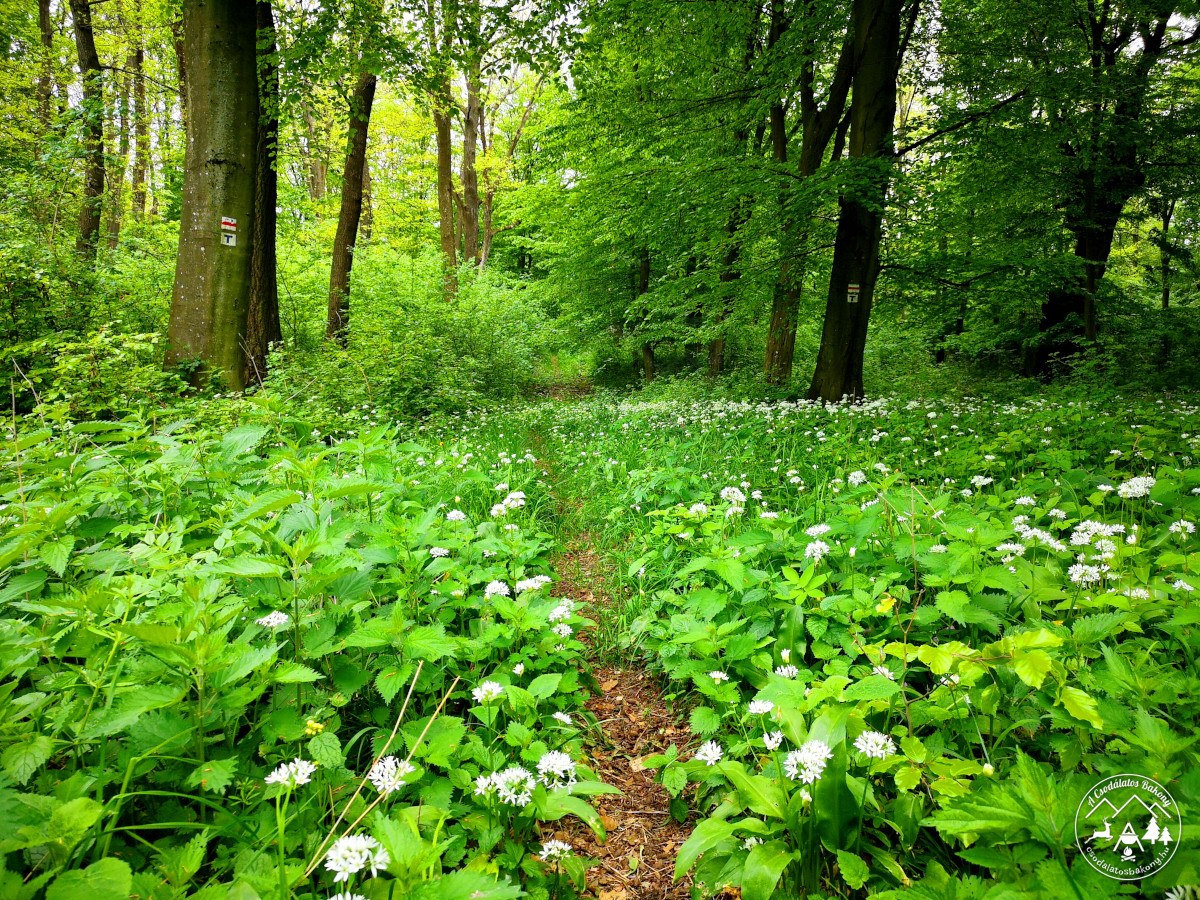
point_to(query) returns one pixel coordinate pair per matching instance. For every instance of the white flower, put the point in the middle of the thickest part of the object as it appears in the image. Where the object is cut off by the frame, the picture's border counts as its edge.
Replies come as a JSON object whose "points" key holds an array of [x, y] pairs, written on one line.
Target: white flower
{"points": [[496, 587], [536, 583], [502, 486], [718, 676], [1084, 576], [761, 707], [1181, 586], [438, 551], [874, 745], [1025, 501], [1183, 526], [562, 717], [557, 770], [292, 774], [514, 785], [709, 753], [788, 671], [346, 895], [773, 739], [733, 495], [815, 550], [498, 510], [562, 629], [554, 851], [274, 620], [456, 515], [807, 763], [519, 669], [487, 692], [353, 853], [938, 548], [884, 671], [1138, 486], [751, 842], [768, 514], [389, 773], [856, 478], [815, 531], [698, 509], [785, 654]]}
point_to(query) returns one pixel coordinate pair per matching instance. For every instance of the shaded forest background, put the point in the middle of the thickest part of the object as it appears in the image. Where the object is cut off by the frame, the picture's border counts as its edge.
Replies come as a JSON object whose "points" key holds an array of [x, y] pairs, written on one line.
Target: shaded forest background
{"points": [[474, 200]]}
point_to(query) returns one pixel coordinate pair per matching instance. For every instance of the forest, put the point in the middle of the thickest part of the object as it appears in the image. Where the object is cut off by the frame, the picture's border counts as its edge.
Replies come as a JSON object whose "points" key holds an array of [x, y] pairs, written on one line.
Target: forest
{"points": [[600, 450]]}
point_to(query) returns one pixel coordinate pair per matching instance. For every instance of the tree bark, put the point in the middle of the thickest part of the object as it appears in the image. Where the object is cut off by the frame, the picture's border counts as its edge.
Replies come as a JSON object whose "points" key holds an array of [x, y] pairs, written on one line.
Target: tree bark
{"points": [[181, 70], [262, 317], [46, 73], [93, 112], [141, 128], [839, 370], [445, 179], [352, 196], [121, 127], [318, 167], [367, 224], [211, 297], [641, 286], [468, 174]]}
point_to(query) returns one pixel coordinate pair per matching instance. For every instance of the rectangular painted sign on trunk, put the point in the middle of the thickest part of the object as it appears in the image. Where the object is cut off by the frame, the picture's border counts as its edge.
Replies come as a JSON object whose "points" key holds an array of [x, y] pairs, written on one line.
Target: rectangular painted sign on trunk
{"points": [[852, 292], [229, 239], [228, 223]]}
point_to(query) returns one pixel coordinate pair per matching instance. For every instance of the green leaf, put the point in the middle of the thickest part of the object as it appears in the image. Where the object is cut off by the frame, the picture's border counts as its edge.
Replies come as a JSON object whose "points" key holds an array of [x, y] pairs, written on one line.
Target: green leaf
{"points": [[245, 661], [853, 868], [56, 553], [326, 749], [1081, 706], [1032, 666], [704, 720], [704, 837], [545, 685], [674, 780], [908, 777], [873, 687], [242, 439], [271, 501], [215, 775], [21, 760], [757, 792], [105, 879], [247, 567], [429, 642], [764, 865]]}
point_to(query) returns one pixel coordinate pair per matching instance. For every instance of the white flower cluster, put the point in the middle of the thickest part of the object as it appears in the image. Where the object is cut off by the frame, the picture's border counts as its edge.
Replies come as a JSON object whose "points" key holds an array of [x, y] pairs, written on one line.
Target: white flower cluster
{"points": [[563, 611], [515, 500], [816, 550], [438, 552], [807, 763], [1183, 526], [292, 774], [456, 515], [709, 753], [274, 620], [353, 853], [487, 692], [1138, 486], [856, 478], [815, 531], [496, 588], [536, 583], [555, 851], [733, 495], [874, 745], [389, 773], [557, 770], [761, 707], [773, 739], [513, 785]]}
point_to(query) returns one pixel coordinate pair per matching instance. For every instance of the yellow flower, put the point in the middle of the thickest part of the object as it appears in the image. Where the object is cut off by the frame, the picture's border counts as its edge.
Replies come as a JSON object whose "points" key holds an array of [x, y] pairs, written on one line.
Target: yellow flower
{"points": [[885, 605], [313, 727]]}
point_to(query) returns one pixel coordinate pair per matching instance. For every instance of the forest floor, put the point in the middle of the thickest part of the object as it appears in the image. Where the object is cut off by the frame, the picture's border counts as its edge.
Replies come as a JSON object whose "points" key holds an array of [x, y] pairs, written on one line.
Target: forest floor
{"points": [[637, 860]]}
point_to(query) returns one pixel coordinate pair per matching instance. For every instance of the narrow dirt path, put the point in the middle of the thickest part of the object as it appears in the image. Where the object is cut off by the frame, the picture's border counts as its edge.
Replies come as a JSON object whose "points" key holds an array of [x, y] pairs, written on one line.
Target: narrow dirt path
{"points": [[637, 861]]}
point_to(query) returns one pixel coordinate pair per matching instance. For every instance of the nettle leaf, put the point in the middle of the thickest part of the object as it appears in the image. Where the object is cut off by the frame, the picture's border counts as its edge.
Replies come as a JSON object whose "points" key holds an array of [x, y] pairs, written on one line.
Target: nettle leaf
{"points": [[704, 720], [21, 760], [873, 687], [853, 868], [247, 567], [105, 879], [431, 643], [391, 679], [242, 439], [56, 553], [215, 775], [326, 750], [674, 780]]}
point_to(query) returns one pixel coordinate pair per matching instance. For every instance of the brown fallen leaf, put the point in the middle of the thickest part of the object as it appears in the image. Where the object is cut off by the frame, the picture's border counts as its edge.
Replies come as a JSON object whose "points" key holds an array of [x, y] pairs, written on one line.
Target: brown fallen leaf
{"points": [[617, 893], [608, 685], [608, 821]]}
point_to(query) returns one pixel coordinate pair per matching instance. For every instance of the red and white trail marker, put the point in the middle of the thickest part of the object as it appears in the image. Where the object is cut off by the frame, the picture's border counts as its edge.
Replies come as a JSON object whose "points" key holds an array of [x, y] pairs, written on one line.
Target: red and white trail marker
{"points": [[852, 292], [229, 223]]}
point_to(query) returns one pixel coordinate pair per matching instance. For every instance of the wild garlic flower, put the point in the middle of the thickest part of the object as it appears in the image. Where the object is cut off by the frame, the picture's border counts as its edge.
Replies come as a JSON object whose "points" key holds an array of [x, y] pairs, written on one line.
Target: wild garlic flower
{"points": [[556, 851], [487, 692], [353, 853], [389, 773], [557, 770], [710, 753], [816, 550], [438, 552], [1138, 486], [293, 774], [874, 745], [788, 671], [456, 515], [274, 620], [496, 588], [773, 739], [815, 531], [733, 495], [856, 478], [562, 717], [718, 676], [761, 707], [807, 763], [1183, 526], [884, 671], [515, 785]]}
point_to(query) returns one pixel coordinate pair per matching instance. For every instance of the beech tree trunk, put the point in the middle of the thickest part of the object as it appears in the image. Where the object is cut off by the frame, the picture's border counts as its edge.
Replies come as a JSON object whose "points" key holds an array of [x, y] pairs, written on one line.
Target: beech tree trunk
{"points": [[641, 286], [181, 70], [121, 127], [318, 168], [351, 212], [141, 132], [472, 125], [93, 114], [366, 225], [839, 370], [262, 317], [211, 298], [46, 72], [445, 179]]}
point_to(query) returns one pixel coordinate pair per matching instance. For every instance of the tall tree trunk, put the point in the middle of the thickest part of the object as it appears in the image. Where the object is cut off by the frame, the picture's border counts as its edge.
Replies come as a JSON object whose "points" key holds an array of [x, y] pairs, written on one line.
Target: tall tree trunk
{"points": [[318, 167], [839, 370], [367, 224], [262, 317], [121, 126], [141, 128], [181, 70], [1164, 256], [211, 298], [729, 276], [352, 195], [641, 286], [445, 187], [46, 72], [472, 125], [819, 125], [93, 111]]}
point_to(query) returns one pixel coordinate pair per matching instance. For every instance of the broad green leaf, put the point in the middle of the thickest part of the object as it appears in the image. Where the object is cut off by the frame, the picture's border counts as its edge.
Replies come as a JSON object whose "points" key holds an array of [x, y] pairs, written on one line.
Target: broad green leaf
{"points": [[764, 865], [853, 868], [545, 685], [707, 835], [326, 749], [105, 879], [873, 687], [22, 759], [1081, 705]]}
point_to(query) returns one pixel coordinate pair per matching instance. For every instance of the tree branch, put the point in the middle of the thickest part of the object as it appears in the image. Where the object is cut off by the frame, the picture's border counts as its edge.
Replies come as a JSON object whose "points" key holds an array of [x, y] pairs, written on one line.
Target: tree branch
{"points": [[954, 126]]}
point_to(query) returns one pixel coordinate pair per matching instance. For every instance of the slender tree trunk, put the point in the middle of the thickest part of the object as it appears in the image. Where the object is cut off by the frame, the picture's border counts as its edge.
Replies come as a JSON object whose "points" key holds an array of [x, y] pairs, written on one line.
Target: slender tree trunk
{"points": [[318, 168], [367, 224], [352, 196], [93, 110], [839, 370], [211, 298], [141, 130], [121, 126], [46, 73], [262, 318], [641, 286], [181, 70], [445, 179], [1164, 257], [468, 173]]}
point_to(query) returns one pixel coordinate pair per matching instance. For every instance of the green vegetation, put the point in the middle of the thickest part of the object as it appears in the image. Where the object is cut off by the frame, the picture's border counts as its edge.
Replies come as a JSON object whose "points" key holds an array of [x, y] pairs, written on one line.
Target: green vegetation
{"points": [[844, 348]]}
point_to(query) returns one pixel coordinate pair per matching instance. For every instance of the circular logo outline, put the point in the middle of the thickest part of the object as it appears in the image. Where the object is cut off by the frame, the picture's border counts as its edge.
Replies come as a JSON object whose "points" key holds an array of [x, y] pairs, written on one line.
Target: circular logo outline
{"points": [[1159, 797]]}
